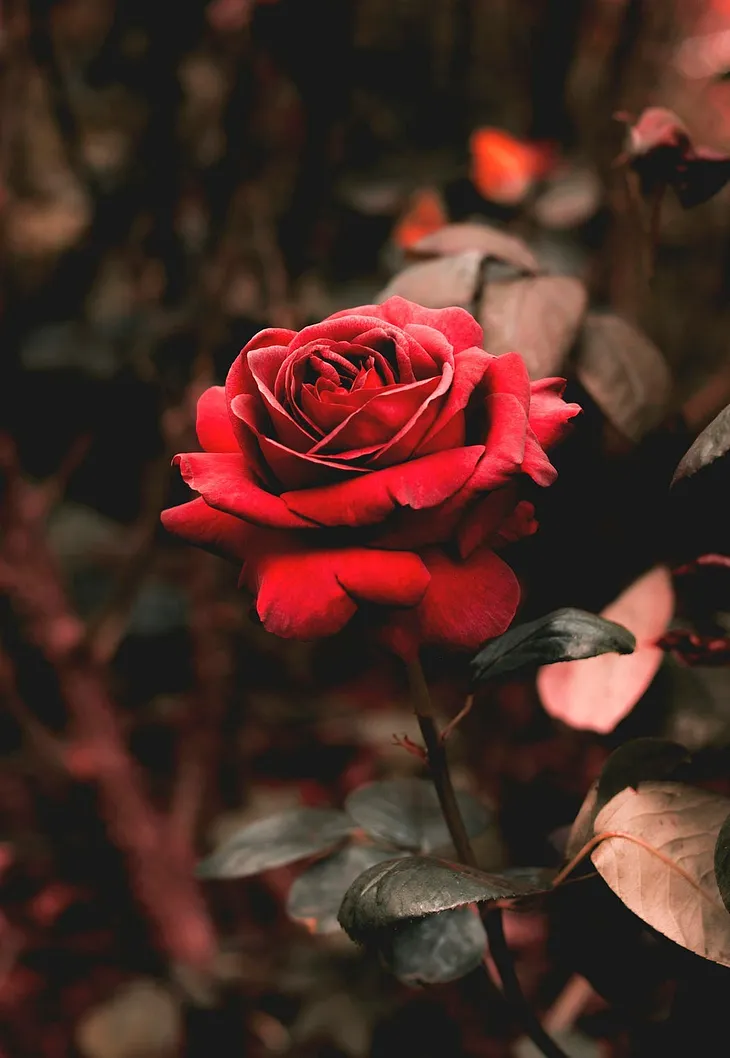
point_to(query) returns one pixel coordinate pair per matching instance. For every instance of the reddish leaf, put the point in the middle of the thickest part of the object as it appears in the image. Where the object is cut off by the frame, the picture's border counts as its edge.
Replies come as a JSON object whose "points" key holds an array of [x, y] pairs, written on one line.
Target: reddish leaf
{"points": [[660, 150], [695, 649], [596, 693]]}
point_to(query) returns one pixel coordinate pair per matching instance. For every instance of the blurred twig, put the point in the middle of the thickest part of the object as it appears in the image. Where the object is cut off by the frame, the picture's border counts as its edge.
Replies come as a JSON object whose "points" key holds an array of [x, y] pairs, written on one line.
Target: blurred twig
{"points": [[160, 868]]}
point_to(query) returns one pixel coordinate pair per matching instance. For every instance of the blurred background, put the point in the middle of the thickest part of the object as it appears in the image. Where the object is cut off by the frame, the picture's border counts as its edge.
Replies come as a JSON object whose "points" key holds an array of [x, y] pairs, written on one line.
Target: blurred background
{"points": [[174, 178]]}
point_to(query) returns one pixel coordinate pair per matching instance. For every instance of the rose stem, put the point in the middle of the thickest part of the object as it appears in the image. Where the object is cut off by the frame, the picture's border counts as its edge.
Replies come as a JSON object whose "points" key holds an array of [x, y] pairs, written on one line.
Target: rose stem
{"points": [[492, 919]]}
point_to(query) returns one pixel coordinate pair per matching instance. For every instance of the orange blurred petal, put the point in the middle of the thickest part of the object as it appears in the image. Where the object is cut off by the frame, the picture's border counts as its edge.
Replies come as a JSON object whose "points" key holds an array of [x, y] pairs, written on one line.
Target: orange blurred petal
{"points": [[503, 168], [425, 215]]}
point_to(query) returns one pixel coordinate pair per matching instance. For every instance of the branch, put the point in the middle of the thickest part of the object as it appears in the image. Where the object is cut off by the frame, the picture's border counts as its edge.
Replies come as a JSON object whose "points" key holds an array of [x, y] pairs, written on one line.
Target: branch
{"points": [[160, 868]]}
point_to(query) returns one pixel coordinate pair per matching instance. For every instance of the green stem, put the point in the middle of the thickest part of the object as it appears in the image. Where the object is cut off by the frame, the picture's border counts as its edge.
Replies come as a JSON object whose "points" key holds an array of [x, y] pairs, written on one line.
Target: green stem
{"points": [[439, 767]]}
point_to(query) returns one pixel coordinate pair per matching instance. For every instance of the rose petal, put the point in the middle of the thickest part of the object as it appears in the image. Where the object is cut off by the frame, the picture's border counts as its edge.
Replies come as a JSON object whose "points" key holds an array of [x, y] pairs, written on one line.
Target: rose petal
{"points": [[224, 481], [213, 424], [393, 420], [370, 498], [306, 594], [264, 365], [505, 447], [470, 367], [536, 463], [465, 604], [519, 524], [549, 413], [205, 527], [508, 374], [299, 470], [483, 519], [457, 325]]}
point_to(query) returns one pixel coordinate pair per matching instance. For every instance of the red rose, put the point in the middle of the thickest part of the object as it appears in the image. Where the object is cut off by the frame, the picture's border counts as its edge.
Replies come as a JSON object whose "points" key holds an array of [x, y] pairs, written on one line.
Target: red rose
{"points": [[373, 458]]}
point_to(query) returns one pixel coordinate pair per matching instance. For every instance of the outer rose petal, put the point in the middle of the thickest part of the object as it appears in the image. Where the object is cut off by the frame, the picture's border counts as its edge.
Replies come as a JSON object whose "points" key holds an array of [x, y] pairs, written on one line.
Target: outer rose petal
{"points": [[371, 497], [520, 523], [466, 603], [508, 374], [224, 481], [549, 413], [205, 527], [306, 594], [505, 447], [458, 325], [484, 518], [213, 425]]}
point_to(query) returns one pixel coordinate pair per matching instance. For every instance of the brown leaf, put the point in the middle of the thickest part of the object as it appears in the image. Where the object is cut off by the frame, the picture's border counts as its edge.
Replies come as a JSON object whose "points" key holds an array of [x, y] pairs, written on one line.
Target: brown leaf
{"points": [[537, 317], [458, 238], [594, 694], [624, 372], [141, 1020], [581, 831], [569, 200], [440, 283], [666, 876]]}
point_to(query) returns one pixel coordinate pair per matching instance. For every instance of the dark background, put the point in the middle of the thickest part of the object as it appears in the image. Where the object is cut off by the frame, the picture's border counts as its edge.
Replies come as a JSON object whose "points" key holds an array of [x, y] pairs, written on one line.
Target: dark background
{"points": [[174, 178]]}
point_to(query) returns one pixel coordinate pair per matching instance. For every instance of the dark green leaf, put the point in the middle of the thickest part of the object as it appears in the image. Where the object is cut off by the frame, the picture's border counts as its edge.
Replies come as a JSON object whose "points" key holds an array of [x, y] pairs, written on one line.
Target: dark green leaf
{"points": [[406, 813], [564, 635], [390, 893], [275, 841], [436, 949], [722, 862], [713, 442], [316, 895]]}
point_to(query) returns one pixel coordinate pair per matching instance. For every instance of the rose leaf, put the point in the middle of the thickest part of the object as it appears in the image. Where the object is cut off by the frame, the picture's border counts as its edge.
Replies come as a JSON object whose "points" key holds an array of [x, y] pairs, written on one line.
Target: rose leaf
{"points": [[595, 693], [657, 856], [538, 316], [315, 897], [389, 894], [637, 761], [564, 635], [276, 841], [436, 949], [624, 373], [440, 283], [569, 200], [722, 862], [405, 812], [491, 242], [711, 444]]}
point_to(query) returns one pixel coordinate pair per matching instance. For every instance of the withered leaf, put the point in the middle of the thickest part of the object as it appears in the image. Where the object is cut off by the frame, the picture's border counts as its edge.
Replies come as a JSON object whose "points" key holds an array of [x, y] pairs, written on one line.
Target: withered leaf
{"points": [[711, 444], [275, 841], [637, 761], [667, 876], [564, 635], [539, 317], [569, 200], [624, 372], [439, 283], [406, 812], [491, 242], [389, 893]]}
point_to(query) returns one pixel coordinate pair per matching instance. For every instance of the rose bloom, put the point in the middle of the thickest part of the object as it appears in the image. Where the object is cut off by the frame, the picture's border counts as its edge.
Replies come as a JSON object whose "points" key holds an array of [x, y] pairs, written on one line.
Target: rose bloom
{"points": [[373, 459]]}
